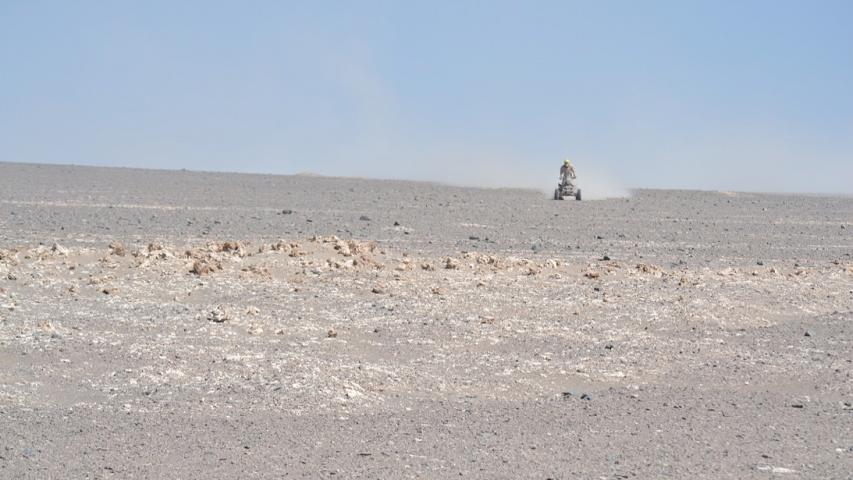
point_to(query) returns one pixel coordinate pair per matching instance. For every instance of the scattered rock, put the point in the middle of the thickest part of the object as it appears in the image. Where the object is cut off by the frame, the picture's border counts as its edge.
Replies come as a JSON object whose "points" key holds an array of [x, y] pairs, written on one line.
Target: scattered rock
{"points": [[235, 248], [253, 310], [331, 334], [259, 270], [451, 263], [153, 250], [59, 250], [283, 245], [777, 470], [364, 218], [47, 328], [649, 268], [807, 334], [352, 393], [155, 246], [117, 249], [205, 267], [218, 315], [404, 266], [591, 274], [343, 248], [287, 211]]}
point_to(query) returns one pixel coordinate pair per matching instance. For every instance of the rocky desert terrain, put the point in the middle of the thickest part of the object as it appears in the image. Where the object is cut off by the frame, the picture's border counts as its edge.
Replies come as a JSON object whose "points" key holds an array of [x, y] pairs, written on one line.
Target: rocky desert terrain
{"points": [[171, 324]]}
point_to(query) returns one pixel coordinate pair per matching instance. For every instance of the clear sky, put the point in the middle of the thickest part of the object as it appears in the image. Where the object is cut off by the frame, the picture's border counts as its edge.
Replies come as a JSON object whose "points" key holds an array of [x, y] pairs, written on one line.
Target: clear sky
{"points": [[734, 95]]}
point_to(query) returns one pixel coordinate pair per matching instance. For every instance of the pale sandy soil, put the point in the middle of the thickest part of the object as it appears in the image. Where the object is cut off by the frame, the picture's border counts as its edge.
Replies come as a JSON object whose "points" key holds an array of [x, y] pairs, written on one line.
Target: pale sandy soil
{"points": [[200, 325]]}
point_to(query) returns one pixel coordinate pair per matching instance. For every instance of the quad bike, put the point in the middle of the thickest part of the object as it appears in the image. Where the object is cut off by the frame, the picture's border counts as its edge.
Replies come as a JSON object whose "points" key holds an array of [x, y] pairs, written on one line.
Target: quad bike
{"points": [[567, 189]]}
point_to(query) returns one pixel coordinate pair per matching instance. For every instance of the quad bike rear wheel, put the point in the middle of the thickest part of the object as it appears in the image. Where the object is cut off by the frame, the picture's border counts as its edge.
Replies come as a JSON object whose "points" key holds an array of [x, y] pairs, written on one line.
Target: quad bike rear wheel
{"points": [[578, 195]]}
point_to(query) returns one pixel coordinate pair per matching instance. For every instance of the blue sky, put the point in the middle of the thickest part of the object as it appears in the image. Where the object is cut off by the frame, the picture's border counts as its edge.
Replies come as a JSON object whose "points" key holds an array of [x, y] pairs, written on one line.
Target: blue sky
{"points": [[747, 95]]}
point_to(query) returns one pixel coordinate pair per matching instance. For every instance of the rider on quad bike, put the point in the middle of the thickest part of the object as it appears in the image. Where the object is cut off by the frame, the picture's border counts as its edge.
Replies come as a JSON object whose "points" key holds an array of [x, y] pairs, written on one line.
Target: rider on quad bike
{"points": [[567, 187], [567, 172]]}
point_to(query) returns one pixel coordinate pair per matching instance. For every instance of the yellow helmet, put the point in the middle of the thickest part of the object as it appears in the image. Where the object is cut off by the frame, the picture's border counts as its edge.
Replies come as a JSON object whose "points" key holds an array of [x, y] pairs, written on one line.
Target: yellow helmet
{"points": [[566, 162]]}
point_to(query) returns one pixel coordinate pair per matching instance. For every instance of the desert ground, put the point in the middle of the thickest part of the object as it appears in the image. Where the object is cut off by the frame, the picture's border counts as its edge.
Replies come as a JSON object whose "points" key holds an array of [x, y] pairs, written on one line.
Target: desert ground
{"points": [[172, 324]]}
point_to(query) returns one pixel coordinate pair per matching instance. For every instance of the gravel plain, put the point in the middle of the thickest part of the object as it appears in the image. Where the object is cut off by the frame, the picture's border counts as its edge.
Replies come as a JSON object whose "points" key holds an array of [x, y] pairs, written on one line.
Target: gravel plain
{"points": [[172, 324]]}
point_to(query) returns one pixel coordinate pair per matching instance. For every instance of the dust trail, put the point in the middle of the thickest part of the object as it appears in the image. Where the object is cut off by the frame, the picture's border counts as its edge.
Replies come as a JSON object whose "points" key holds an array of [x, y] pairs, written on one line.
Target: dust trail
{"points": [[595, 181], [388, 144], [599, 185]]}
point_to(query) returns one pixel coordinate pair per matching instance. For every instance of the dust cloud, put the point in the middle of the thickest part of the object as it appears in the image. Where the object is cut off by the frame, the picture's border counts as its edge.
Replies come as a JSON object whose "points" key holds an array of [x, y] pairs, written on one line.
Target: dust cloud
{"points": [[494, 171], [596, 184]]}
